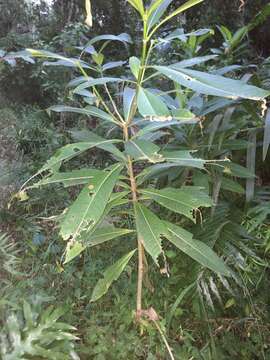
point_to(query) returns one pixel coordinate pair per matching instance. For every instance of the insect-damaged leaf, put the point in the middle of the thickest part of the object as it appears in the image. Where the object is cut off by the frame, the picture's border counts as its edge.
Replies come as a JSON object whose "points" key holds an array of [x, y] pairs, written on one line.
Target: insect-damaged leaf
{"points": [[182, 201], [210, 84], [110, 275], [84, 214], [143, 150]]}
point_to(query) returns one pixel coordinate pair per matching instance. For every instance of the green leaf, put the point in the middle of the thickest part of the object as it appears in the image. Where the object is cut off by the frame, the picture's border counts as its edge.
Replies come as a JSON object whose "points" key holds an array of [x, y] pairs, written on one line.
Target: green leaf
{"points": [[236, 170], [110, 275], [194, 61], [104, 234], [143, 150], [88, 136], [197, 250], [94, 82], [71, 178], [86, 211], [135, 64], [89, 111], [182, 201], [210, 84], [266, 138], [183, 158], [128, 99], [156, 11], [150, 229], [124, 38], [150, 104], [233, 186], [73, 250], [70, 151], [138, 5]]}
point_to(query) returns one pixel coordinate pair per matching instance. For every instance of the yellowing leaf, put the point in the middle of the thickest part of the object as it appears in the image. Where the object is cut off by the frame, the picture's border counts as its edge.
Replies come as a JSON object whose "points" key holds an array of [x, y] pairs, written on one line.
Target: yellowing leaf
{"points": [[89, 18]]}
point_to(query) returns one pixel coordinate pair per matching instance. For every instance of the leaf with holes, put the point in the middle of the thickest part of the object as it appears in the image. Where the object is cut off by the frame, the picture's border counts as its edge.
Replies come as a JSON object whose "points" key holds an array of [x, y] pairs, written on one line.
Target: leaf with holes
{"points": [[85, 213], [143, 150], [182, 201], [210, 84]]}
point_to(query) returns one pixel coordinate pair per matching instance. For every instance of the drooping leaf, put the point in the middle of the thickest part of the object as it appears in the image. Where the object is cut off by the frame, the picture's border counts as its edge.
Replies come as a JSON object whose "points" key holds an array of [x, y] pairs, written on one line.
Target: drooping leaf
{"points": [[112, 65], [111, 275], [183, 158], [183, 200], [70, 151], [89, 111], [266, 138], [251, 164], [128, 99], [197, 250], [89, 17], [231, 185], [124, 38], [210, 84], [143, 150], [150, 104], [236, 170], [86, 211], [150, 229], [71, 178]]}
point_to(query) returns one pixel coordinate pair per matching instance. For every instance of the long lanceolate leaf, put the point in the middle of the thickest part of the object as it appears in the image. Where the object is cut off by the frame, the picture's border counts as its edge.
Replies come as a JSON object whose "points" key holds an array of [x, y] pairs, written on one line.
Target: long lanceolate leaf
{"points": [[210, 84], [182, 201], [70, 151], [266, 139], [110, 275], [150, 229], [85, 213], [89, 111], [197, 250]]}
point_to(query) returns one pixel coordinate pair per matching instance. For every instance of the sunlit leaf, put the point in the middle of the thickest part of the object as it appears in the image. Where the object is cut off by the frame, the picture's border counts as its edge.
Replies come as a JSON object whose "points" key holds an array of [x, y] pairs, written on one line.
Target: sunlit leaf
{"points": [[150, 104], [143, 150]]}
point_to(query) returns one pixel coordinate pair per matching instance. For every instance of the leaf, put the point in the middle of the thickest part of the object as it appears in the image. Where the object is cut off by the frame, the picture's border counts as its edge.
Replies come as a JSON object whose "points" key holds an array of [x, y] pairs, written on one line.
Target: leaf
{"points": [[105, 234], [134, 64], [128, 99], [124, 38], [89, 18], [113, 65], [210, 84], [86, 135], [70, 151], [183, 158], [193, 61], [156, 11], [73, 250], [182, 201], [176, 12], [143, 150], [236, 170], [89, 111], [233, 186], [266, 138], [150, 104], [110, 275], [75, 177], [251, 164], [150, 229], [93, 82], [197, 250], [86, 211], [138, 5]]}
